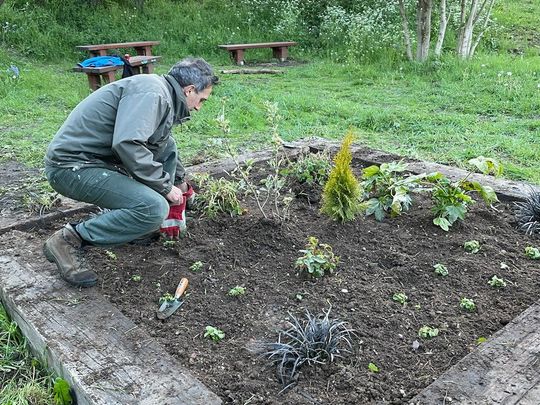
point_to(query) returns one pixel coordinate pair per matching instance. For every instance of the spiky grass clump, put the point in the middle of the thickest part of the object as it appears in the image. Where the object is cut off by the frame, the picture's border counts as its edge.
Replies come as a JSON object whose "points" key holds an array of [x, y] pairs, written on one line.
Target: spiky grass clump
{"points": [[528, 214], [313, 340], [341, 195]]}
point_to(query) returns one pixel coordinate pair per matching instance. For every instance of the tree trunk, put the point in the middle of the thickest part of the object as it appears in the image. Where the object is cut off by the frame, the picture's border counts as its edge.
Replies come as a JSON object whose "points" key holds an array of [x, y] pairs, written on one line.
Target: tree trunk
{"points": [[405, 25], [423, 28], [466, 47], [484, 27], [442, 28]]}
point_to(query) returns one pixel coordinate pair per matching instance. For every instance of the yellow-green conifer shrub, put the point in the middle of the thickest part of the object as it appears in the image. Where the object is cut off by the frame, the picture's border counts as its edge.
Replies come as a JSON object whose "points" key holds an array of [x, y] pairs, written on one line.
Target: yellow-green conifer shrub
{"points": [[341, 195]]}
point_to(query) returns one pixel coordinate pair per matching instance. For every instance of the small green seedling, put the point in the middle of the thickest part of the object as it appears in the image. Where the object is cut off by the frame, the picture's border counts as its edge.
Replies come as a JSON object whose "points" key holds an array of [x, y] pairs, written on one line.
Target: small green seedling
{"points": [[169, 243], [400, 297], [481, 340], [196, 266], [467, 304], [441, 269], [532, 252], [427, 332], [299, 297], [373, 368], [472, 246], [111, 255], [136, 277], [167, 297], [318, 259], [214, 333], [236, 291], [497, 282]]}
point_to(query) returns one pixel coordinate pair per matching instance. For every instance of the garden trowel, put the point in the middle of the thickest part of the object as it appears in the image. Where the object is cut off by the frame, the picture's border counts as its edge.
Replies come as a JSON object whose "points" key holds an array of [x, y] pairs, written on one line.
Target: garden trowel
{"points": [[167, 308]]}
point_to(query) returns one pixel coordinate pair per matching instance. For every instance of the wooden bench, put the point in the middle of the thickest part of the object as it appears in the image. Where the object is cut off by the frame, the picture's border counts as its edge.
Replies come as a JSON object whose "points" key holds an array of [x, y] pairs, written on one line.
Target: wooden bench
{"points": [[279, 50], [143, 62]]}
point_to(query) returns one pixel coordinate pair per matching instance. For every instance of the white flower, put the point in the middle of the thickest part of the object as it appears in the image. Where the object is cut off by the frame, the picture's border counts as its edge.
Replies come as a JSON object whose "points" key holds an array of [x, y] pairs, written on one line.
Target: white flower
{"points": [[508, 73]]}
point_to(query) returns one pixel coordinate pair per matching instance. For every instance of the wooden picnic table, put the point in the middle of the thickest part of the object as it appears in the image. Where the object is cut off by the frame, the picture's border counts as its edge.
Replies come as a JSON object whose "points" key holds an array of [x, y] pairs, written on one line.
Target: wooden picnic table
{"points": [[279, 50], [143, 62]]}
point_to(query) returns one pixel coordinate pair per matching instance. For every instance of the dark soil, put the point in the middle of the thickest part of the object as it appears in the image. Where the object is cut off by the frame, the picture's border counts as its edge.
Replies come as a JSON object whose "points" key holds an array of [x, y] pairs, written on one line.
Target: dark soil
{"points": [[378, 259]]}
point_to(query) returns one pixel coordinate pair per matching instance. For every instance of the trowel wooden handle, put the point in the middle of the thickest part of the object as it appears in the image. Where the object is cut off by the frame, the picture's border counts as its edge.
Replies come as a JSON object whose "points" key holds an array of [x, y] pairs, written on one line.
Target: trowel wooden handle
{"points": [[181, 288]]}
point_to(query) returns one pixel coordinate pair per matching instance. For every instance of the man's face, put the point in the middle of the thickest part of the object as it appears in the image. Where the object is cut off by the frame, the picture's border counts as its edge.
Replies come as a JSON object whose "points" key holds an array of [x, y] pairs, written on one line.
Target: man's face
{"points": [[195, 100]]}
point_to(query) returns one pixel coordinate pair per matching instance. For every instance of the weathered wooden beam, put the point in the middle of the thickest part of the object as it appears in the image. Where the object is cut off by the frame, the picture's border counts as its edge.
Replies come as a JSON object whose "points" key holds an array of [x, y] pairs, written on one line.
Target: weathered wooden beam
{"points": [[252, 71], [104, 356]]}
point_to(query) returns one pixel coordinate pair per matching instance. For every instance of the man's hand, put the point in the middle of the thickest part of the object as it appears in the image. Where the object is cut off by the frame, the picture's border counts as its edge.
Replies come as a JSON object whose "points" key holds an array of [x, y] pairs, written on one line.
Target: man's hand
{"points": [[175, 196], [174, 226]]}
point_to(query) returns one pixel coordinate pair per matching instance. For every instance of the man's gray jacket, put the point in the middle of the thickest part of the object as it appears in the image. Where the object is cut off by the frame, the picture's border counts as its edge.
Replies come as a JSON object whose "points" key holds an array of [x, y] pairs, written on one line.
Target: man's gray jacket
{"points": [[125, 125]]}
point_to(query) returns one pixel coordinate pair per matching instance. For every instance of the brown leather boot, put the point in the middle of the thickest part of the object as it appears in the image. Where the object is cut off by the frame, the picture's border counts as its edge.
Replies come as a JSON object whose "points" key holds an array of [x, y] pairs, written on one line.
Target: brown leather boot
{"points": [[64, 248]]}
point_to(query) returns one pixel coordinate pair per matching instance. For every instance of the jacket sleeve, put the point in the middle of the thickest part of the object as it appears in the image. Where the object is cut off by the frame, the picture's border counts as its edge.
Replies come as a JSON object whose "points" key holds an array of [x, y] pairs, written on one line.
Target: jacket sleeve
{"points": [[138, 116]]}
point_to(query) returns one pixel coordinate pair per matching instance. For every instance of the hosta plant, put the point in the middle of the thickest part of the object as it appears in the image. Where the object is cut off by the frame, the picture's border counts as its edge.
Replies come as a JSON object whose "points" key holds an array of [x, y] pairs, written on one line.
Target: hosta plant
{"points": [[318, 258], [427, 332], [214, 333], [400, 297], [467, 304], [532, 252], [472, 246], [441, 269]]}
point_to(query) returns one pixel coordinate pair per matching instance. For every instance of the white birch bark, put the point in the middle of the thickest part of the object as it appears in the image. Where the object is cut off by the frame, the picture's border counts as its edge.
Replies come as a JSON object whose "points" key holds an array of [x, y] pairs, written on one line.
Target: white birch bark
{"points": [[423, 29], [405, 25], [442, 28]]}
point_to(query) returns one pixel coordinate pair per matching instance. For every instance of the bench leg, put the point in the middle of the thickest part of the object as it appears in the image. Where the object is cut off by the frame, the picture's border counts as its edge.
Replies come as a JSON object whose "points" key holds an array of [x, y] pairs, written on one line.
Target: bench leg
{"points": [[280, 53], [94, 81], [238, 56], [148, 68]]}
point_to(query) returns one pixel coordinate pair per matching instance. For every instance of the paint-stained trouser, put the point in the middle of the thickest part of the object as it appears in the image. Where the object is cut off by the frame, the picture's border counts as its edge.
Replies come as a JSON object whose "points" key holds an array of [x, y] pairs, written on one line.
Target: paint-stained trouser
{"points": [[136, 209]]}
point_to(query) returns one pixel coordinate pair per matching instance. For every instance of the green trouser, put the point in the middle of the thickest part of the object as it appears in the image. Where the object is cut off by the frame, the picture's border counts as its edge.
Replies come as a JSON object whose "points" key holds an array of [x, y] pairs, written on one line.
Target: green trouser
{"points": [[136, 209]]}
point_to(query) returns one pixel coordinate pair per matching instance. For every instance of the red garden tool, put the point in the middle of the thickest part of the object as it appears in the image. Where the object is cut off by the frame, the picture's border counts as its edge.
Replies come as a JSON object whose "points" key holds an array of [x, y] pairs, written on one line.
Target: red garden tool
{"points": [[167, 308]]}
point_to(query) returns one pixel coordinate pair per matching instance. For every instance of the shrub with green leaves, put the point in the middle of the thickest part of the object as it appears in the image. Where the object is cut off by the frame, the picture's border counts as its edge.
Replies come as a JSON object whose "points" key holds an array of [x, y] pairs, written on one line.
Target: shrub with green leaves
{"points": [[318, 259], [452, 199], [472, 246], [467, 304], [217, 196], [497, 282], [341, 195], [311, 168], [532, 252], [214, 333], [441, 269], [387, 190]]}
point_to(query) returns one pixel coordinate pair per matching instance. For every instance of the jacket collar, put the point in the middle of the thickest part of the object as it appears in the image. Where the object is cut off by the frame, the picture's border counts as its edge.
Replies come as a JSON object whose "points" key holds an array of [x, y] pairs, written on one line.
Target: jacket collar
{"points": [[181, 112]]}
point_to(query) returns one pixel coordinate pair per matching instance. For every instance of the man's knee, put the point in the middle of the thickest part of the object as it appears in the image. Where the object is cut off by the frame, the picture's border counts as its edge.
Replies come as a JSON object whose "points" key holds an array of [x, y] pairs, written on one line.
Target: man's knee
{"points": [[154, 211]]}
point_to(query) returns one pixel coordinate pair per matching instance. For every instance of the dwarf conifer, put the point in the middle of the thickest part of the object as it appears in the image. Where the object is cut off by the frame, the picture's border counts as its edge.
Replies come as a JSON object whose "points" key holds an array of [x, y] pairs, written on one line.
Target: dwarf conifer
{"points": [[341, 195]]}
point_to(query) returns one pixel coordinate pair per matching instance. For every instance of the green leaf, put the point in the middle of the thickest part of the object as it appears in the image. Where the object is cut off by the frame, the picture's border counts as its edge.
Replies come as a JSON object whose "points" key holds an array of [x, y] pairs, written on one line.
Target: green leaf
{"points": [[61, 390], [370, 171], [373, 368], [487, 165], [442, 223], [481, 340], [455, 212]]}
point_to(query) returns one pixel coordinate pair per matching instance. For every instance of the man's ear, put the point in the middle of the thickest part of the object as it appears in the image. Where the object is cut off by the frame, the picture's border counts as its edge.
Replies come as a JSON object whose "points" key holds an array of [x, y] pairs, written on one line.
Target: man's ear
{"points": [[189, 89]]}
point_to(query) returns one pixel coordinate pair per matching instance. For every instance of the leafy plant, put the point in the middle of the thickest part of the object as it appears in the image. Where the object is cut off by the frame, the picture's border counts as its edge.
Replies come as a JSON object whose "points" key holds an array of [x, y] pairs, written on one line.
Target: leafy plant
{"points": [[214, 333], [136, 278], [196, 266], [341, 194], [314, 340], [532, 252], [318, 258], [452, 199], [497, 282], [467, 304], [373, 368], [472, 246], [111, 255], [62, 392], [441, 269], [311, 168], [387, 190], [427, 332], [400, 297], [167, 297], [217, 196], [169, 243], [237, 291]]}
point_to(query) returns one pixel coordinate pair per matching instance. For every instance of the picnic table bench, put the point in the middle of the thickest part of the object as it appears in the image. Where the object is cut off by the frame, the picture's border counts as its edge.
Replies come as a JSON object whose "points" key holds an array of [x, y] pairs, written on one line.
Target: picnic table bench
{"points": [[143, 62], [279, 50]]}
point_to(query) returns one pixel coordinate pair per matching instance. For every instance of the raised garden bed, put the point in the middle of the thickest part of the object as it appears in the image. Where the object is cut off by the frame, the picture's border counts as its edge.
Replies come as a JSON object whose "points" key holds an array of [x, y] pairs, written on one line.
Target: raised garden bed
{"points": [[378, 259]]}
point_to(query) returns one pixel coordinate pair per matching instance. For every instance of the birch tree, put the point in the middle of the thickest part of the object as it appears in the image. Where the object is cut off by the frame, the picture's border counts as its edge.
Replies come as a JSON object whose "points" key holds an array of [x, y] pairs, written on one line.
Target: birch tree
{"points": [[470, 16]]}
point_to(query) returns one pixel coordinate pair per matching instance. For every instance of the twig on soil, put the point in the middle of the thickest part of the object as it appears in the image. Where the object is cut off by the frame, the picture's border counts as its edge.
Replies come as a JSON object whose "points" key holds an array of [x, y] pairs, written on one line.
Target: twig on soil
{"points": [[249, 400]]}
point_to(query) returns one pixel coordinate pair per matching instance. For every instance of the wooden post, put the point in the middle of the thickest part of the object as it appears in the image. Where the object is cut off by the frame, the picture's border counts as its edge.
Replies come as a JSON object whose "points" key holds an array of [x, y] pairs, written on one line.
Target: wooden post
{"points": [[94, 81], [238, 56]]}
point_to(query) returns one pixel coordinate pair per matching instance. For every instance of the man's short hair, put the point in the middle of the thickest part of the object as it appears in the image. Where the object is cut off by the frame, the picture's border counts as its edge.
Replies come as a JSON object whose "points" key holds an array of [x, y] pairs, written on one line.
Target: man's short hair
{"points": [[194, 71]]}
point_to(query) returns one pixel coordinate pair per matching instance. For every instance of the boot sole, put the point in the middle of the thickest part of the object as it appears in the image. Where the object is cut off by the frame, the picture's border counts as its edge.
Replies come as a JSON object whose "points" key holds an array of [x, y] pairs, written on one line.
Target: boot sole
{"points": [[50, 257]]}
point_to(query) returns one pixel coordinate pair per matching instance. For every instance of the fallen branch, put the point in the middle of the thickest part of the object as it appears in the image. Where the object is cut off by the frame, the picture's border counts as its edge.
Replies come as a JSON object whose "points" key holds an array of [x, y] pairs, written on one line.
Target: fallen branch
{"points": [[252, 71]]}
